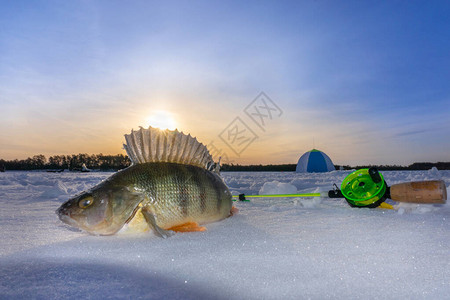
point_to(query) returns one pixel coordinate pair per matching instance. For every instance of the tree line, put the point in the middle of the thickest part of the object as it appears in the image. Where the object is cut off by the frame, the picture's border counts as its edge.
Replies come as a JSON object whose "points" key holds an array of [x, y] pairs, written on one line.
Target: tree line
{"points": [[120, 161], [291, 167], [418, 166], [71, 162]]}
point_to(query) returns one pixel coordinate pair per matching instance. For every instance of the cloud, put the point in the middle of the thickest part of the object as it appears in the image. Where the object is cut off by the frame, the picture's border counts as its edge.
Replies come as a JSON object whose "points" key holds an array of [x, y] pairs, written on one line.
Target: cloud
{"points": [[409, 133]]}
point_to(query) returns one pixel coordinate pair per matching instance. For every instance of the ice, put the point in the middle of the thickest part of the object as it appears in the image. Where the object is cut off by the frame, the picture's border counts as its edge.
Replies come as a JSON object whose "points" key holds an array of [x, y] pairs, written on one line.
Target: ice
{"points": [[275, 187], [416, 208], [434, 172], [274, 248], [57, 189]]}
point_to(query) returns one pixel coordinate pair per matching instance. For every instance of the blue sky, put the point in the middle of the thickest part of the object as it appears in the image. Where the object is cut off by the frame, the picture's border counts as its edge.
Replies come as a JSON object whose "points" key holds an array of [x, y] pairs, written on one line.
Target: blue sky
{"points": [[364, 81]]}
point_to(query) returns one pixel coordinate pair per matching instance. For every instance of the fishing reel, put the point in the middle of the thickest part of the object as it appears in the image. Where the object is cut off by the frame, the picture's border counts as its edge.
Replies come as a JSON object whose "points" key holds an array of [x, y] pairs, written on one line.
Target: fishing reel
{"points": [[365, 188]]}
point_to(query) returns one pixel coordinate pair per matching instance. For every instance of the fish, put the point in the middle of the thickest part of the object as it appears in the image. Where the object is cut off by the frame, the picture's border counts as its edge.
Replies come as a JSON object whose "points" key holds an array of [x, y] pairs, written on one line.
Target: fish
{"points": [[173, 185]]}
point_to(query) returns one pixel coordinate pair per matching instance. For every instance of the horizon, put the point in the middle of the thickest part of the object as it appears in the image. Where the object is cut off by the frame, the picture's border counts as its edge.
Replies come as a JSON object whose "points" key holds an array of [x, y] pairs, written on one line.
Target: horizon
{"points": [[258, 83], [231, 163]]}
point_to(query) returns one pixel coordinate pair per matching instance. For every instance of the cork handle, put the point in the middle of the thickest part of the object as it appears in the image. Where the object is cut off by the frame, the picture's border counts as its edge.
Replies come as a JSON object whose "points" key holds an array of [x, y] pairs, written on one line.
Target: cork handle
{"points": [[431, 192]]}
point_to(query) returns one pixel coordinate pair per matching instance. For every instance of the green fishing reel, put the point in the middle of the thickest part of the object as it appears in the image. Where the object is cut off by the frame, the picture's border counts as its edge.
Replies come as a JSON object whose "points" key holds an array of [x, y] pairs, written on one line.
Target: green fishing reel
{"points": [[364, 188]]}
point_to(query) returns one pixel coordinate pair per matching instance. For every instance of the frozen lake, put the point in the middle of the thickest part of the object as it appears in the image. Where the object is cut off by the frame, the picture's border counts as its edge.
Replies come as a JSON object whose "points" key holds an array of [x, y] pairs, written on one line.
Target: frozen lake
{"points": [[273, 249]]}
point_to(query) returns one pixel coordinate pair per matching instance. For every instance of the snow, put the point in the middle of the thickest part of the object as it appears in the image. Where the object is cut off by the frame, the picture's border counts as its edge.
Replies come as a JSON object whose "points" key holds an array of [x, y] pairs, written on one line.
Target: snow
{"points": [[279, 248], [275, 187]]}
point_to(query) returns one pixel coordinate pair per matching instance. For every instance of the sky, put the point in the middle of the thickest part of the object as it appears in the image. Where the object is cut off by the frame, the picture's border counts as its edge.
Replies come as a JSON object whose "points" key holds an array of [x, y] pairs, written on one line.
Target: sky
{"points": [[259, 82]]}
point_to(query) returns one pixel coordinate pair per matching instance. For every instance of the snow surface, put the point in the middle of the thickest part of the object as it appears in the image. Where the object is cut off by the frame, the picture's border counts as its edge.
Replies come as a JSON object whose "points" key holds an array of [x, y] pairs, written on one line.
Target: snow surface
{"points": [[279, 248]]}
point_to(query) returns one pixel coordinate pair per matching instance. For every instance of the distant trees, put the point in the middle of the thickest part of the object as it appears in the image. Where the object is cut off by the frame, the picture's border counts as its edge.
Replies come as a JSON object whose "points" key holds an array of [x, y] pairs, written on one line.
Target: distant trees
{"points": [[428, 165], [259, 168], [291, 167], [415, 166], [120, 161], [71, 162]]}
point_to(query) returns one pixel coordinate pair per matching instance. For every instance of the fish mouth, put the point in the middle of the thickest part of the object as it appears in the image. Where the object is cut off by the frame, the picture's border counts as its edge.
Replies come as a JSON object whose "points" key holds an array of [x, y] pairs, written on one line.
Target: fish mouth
{"points": [[64, 215], [66, 219], [62, 211]]}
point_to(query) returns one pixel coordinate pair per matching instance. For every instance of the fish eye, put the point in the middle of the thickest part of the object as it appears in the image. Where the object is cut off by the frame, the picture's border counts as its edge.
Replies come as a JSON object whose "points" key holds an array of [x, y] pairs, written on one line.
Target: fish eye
{"points": [[85, 202]]}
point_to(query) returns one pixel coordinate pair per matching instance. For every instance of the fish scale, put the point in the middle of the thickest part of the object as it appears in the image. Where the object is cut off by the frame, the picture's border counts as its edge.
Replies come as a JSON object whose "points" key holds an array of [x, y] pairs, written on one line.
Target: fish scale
{"points": [[174, 195]]}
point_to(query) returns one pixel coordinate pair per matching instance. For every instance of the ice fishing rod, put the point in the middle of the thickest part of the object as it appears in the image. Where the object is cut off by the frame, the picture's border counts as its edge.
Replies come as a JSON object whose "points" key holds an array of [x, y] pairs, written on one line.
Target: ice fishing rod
{"points": [[367, 188]]}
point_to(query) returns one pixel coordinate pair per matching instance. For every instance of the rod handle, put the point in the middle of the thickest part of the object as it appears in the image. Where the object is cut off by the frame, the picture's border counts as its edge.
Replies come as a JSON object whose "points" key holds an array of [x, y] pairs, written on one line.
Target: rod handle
{"points": [[426, 192]]}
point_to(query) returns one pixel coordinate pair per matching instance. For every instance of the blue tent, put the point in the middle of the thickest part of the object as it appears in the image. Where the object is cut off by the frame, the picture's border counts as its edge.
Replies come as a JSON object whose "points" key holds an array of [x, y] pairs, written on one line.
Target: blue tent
{"points": [[314, 161]]}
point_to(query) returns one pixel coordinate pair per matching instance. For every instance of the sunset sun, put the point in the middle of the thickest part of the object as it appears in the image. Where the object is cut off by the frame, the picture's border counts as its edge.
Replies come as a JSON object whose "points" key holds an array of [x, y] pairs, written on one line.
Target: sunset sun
{"points": [[161, 119]]}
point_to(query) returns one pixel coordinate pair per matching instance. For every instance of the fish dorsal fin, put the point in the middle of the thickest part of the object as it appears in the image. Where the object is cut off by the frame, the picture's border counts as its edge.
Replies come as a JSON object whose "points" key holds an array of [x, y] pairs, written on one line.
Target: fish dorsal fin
{"points": [[156, 145]]}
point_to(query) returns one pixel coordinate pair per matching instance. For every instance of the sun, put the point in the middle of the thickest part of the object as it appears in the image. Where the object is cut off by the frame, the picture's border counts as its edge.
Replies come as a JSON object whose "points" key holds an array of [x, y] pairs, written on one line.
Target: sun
{"points": [[162, 119]]}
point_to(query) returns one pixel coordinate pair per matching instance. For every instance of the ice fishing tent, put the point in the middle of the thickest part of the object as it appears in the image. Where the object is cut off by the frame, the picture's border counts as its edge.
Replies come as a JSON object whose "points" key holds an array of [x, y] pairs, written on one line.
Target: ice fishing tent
{"points": [[314, 161]]}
